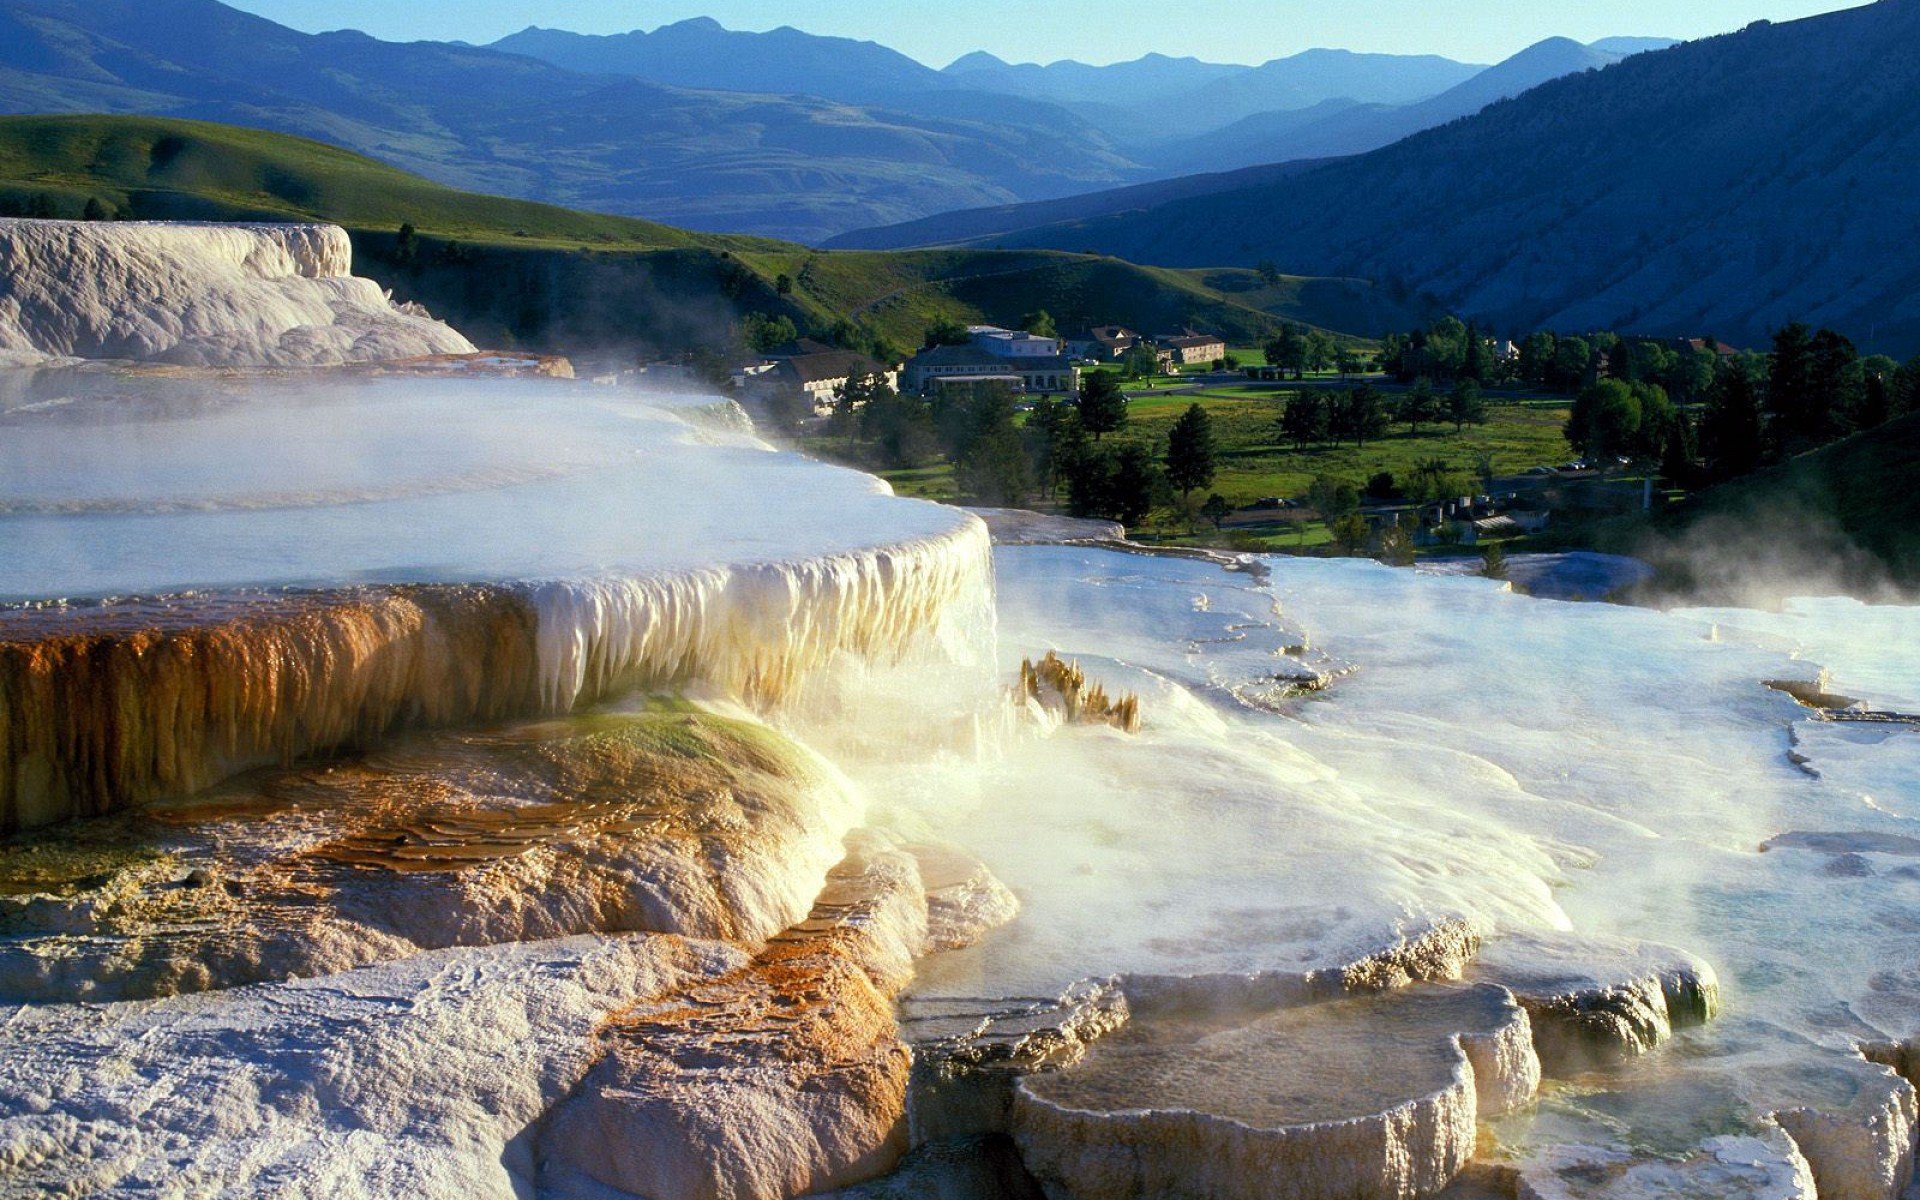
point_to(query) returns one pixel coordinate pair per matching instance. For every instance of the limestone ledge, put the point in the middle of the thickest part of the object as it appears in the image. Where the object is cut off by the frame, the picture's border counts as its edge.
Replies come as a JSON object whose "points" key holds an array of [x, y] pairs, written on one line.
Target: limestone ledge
{"points": [[787, 1076], [671, 821]]}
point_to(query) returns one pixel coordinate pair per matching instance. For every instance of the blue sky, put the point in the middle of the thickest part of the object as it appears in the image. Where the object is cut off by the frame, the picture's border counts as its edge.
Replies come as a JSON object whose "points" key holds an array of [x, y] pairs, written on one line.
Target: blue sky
{"points": [[1089, 30]]}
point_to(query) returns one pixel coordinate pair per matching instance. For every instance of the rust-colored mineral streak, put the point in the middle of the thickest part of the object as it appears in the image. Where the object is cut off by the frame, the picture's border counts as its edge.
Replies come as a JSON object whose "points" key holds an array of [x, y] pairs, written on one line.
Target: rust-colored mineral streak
{"points": [[104, 707]]}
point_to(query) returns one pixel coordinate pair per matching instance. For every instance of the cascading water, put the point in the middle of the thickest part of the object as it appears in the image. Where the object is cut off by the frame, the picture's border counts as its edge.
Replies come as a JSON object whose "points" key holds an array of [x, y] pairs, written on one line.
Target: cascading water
{"points": [[1339, 779], [538, 555]]}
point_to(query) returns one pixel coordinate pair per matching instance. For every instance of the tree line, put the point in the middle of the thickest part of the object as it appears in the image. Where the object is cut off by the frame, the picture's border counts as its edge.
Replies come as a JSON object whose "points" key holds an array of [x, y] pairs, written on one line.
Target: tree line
{"points": [[1058, 452], [1703, 411], [1813, 387]]}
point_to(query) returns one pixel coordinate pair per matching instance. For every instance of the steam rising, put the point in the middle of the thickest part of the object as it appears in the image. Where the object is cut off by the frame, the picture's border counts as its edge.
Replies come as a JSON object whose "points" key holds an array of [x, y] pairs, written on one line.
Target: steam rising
{"points": [[536, 550]]}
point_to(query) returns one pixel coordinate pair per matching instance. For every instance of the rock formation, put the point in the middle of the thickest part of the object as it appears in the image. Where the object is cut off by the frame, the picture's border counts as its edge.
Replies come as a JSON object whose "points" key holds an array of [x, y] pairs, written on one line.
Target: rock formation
{"points": [[1365, 1097], [1061, 689], [675, 822], [784, 1078], [199, 295], [1593, 1000], [176, 694]]}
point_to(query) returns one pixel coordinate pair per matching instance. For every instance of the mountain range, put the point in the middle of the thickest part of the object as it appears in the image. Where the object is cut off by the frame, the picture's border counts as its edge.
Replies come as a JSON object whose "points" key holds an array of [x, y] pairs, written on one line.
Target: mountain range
{"points": [[1726, 186], [781, 133], [800, 166]]}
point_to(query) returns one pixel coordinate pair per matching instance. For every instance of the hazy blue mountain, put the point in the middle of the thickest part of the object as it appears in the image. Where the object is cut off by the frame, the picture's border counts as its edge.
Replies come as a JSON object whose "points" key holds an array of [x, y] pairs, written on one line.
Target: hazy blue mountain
{"points": [[701, 53], [793, 166], [1334, 129], [981, 226], [1150, 77], [1724, 186], [1157, 100], [1313, 76]]}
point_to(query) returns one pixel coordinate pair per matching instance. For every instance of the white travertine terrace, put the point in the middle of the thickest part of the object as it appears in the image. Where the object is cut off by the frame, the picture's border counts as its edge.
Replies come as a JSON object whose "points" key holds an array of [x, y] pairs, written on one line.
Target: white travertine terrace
{"points": [[554, 548], [199, 295]]}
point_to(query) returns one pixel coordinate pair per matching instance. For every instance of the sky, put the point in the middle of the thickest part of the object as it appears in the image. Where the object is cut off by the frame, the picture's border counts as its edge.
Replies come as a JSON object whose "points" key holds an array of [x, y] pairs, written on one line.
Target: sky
{"points": [[1096, 31]]}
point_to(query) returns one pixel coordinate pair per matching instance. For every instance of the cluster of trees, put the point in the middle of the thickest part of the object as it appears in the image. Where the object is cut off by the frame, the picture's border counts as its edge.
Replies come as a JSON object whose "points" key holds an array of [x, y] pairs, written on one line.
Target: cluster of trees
{"points": [[973, 427], [1059, 451], [1450, 350], [1813, 388], [1701, 411], [1360, 415], [1446, 351], [763, 332], [46, 206], [1314, 418], [1299, 350]]}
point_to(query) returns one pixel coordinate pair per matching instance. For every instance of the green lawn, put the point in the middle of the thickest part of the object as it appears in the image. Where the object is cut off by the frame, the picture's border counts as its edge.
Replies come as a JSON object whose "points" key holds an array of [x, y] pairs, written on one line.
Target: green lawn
{"points": [[1255, 464]]}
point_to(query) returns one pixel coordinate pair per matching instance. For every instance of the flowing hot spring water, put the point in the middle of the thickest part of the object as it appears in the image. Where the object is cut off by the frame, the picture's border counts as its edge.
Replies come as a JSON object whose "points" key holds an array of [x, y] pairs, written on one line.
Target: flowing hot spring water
{"points": [[1349, 784]]}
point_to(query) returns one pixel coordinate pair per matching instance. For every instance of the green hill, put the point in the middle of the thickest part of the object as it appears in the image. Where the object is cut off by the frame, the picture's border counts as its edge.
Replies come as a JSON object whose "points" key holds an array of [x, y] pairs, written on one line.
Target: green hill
{"points": [[165, 169], [513, 272], [1845, 517]]}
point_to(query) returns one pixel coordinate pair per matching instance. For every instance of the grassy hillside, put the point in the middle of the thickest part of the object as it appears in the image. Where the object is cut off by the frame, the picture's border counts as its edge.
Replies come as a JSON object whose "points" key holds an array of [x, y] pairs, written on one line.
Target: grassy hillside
{"points": [[156, 168], [536, 275], [1844, 517]]}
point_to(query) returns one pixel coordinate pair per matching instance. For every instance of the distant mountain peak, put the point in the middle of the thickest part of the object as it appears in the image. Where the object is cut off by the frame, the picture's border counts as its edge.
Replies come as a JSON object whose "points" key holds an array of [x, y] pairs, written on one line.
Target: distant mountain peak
{"points": [[979, 60]]}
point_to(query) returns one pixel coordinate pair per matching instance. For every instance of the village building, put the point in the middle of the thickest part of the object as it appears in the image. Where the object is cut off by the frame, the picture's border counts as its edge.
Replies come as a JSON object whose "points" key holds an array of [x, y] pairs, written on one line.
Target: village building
{"points": [[1034, 374], [1103, 343], [820, 375], [1013, 343], [1192, 349]]}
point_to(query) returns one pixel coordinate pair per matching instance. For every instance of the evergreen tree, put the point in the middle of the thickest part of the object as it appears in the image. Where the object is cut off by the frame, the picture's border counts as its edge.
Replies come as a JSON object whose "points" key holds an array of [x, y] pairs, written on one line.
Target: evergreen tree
{"points": [[1103, 406], [1676, 457], [406, 245], [993, 470], [1134, 477], [1191, 452], [96, 210], [1493, 561], [1876, 402], [1905, 390], [1837, 385], [1358, 415], [1622, 362], [850, 401], [1419, 407], [1217, 510], [1730, 429], [1288, 351], [1090, 483], [1466, 405], [1305, 419], [1791, 403], [1475, 366]]}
